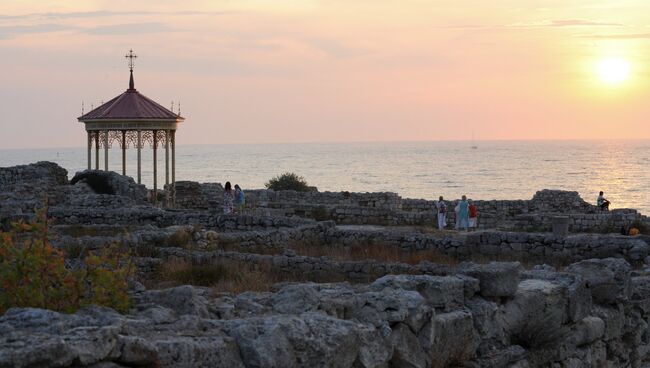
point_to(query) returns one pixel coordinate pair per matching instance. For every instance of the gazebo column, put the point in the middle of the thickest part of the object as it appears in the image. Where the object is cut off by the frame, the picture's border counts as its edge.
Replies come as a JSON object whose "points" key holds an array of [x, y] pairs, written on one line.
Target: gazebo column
{"points": [[173, 141], [97, 150], [90, 150], [139, 156], [106, 150], [155, 166], [124, 152], [166, 157]]}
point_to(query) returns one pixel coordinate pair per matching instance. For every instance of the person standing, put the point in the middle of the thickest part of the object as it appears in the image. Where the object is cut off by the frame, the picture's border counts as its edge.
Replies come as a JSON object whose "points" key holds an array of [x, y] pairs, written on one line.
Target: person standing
{"points": [[441, 209], [463, 213], [473, 215], [240, 199], [228, 200]]}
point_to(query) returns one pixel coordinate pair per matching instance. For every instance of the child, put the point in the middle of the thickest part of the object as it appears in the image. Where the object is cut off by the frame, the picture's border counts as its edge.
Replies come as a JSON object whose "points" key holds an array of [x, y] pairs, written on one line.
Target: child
{"points": [[240, 199], [473, 215]]}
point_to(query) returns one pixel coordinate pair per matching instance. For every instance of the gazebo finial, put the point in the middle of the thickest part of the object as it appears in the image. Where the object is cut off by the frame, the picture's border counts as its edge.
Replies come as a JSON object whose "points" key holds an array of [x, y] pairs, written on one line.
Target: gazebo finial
{"points": [[131, 56]]}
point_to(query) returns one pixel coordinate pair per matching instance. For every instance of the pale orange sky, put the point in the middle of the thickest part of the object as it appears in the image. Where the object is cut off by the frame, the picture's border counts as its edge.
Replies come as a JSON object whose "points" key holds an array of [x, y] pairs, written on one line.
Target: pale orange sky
{"points": [[253, 71]]}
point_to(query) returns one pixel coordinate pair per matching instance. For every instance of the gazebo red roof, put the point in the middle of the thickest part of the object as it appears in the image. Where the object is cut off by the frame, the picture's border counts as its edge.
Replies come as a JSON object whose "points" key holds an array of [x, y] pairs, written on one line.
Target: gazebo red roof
{"points": [[130, 105]]}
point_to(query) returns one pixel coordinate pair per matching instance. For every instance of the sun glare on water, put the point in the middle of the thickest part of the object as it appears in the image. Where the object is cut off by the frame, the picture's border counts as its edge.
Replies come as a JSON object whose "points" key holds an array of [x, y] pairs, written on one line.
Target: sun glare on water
{"points": [[613, 70]]}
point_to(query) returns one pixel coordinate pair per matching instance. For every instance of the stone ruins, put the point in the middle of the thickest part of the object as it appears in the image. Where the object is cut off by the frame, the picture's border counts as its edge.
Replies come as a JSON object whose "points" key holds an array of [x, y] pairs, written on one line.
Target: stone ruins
{"points": [[511, 294]]}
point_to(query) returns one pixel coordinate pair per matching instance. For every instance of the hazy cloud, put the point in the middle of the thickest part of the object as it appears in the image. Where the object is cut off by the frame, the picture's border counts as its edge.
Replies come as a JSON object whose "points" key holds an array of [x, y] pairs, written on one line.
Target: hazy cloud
{"points": [[129, 28], [114, 29], [581, 22], [102, 14], [565, 23], [334, 47], [13, 31], [621, 36]]}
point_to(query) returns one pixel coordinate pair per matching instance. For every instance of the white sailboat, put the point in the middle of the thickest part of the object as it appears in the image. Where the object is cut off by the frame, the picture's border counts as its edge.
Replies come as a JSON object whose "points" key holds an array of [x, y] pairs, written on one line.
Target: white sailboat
{"points": [[473, 146]]}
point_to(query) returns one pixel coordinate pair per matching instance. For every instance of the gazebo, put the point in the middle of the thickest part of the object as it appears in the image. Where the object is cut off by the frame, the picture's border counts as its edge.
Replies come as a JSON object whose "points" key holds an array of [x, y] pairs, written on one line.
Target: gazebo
{"points": [[133, 119]]}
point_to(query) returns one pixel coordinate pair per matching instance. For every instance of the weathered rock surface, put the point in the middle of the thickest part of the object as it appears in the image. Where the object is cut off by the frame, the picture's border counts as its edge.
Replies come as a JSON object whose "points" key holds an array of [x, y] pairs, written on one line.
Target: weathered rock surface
{"points": [[396, 321], [608, 279]]}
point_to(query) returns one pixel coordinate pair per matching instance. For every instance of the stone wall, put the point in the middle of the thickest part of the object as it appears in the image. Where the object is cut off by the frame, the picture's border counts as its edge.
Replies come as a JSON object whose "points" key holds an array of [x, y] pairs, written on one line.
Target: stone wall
{"points": [[25, 187], [42, 173], [391, 210], [259, 232]]}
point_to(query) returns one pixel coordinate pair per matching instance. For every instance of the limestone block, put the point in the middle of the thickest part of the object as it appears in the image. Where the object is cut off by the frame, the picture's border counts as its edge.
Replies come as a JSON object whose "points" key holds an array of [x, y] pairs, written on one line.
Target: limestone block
{"points": [[588, 330], [486, 321], [497, 279], [455, 338], [182, 300], [579, 296], [640, 288], [306, 340], [537, 304], [614, 318], [407, 351], [608, 279], [392, 306], [444, 292]]}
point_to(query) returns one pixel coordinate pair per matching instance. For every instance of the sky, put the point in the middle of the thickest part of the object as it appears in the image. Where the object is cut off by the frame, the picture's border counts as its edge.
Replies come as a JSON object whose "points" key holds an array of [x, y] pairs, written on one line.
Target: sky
{"points": [[276, 71]]}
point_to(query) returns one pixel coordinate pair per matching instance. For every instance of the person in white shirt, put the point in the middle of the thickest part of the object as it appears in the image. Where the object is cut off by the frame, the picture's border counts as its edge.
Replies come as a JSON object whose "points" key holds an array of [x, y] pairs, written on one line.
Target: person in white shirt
{"points": [[602, 202], [441, 209]]}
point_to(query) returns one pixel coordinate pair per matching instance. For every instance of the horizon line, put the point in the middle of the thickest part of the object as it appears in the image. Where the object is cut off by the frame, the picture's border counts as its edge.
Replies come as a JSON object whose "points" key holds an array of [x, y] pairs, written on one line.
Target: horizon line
{"points": [[369, 141]]}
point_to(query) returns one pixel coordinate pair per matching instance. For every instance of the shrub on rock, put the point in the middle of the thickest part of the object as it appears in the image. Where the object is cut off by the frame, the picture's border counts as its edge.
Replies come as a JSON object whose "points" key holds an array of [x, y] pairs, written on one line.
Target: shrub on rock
{"points": [[288, 181], [34, 274]]}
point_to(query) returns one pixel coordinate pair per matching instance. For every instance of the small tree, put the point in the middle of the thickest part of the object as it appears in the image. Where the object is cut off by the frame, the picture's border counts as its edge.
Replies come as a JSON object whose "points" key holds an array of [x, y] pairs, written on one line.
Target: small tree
{"points": [[33, 273], [288, 181]]}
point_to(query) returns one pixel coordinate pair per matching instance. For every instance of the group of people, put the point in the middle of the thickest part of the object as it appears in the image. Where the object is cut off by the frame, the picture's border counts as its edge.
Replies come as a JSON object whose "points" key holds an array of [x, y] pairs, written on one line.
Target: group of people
{"points": [[466, 214], [233, 200]]}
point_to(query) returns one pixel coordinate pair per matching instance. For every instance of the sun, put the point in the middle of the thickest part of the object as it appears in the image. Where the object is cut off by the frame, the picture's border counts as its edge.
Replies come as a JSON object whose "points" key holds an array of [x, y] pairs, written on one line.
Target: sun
{"points": [[613, 70]]}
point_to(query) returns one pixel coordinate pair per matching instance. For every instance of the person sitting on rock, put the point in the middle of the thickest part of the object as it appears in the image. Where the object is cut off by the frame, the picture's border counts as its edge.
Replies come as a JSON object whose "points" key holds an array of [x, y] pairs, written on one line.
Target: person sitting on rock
{"points": [[602, 202]]}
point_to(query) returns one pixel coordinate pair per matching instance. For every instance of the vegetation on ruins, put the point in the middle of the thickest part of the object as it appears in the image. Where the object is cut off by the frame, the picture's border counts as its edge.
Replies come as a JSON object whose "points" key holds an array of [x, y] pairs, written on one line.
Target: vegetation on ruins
{"points": [[233, 276], [288, 181], [34, 274], [320, 213]]}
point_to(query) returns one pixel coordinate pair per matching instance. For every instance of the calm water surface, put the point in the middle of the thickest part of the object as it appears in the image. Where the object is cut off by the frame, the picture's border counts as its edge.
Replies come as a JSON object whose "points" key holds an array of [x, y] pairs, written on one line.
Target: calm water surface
{"points": [[494, 170]]}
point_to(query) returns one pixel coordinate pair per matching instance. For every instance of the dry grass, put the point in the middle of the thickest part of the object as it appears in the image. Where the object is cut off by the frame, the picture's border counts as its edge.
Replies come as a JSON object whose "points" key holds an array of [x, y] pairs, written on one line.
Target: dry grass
{"points": [[381, 252], [235, 247], [77, 231], [180, 238], [230, 276]]}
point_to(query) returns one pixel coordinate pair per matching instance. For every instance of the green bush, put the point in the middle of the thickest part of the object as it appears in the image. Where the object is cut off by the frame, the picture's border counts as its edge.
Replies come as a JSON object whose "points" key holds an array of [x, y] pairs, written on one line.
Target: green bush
{"points": [[288, 181], [320, 213], [33, 273]]}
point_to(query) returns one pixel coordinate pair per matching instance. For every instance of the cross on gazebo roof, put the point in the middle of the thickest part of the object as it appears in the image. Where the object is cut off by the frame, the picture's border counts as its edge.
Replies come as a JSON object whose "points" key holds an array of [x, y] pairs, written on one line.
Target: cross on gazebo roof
{"points": [[131, 56]]}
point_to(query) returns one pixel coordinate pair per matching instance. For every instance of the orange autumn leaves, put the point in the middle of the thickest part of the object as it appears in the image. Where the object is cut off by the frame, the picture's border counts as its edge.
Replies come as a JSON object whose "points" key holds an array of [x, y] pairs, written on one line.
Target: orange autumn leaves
{"points": [[34, 274]]}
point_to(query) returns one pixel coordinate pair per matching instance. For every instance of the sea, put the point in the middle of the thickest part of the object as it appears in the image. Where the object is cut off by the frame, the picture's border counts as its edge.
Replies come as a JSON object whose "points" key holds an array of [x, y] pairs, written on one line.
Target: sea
{"points": [[480, 170]]}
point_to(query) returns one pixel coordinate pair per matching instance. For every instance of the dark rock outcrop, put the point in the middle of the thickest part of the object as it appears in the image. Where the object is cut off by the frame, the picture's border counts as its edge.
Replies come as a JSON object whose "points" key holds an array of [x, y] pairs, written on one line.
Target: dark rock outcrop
{"points": [[108, 182]]}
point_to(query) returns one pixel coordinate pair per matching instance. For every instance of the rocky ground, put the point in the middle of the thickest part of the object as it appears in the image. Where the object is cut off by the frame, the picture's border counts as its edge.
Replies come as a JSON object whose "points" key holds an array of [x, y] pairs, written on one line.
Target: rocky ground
{"points": [[425, 299]]}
